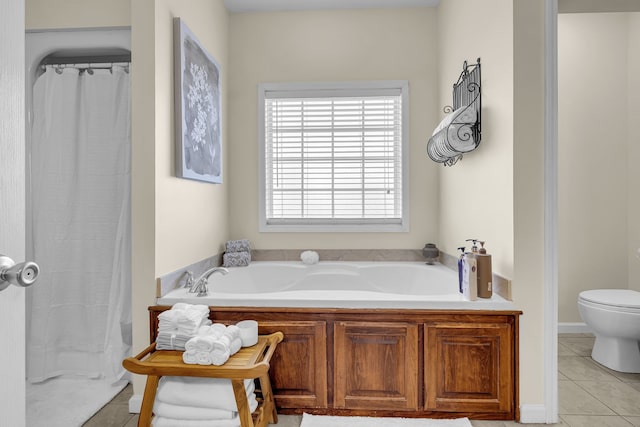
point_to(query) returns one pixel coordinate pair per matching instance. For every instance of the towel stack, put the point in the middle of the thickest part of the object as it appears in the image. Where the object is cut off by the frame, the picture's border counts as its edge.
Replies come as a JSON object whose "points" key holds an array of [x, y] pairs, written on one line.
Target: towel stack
{"points": [[213, 345], [195, 402], [237, 253], [180, 324]]}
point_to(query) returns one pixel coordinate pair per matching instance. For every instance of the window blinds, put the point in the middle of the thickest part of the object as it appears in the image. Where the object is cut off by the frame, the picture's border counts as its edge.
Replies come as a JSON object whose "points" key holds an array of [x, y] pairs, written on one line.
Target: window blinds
{"points": [[333, 159]]}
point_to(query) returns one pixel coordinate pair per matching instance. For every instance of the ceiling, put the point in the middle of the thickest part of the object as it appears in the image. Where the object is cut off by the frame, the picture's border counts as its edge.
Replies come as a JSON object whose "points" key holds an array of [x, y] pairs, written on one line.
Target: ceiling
{"points": [[280, 5]]}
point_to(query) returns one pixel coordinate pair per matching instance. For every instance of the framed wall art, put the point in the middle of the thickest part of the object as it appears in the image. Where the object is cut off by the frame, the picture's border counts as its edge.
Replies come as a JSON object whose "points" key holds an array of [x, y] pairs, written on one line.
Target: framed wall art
{"points": [[197, 108]]}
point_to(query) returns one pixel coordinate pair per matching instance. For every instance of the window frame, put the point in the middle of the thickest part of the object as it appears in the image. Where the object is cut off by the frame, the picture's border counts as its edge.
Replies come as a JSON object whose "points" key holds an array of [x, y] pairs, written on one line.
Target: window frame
{"points": [[328, 89]]}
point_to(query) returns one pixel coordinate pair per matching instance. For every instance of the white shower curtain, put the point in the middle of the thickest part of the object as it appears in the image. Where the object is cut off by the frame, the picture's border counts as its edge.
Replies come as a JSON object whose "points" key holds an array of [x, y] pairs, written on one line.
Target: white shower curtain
{"points": [[80, 312]]}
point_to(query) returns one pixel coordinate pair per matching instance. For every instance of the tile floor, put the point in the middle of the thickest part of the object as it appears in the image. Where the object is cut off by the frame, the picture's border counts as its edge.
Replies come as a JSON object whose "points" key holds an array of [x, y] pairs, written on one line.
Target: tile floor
{"points": [[590, 395]]}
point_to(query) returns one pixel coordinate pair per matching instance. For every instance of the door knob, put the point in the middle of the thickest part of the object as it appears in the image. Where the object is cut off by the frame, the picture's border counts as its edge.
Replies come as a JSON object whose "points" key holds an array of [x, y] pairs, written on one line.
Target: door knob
{"points": [[23, 274]]}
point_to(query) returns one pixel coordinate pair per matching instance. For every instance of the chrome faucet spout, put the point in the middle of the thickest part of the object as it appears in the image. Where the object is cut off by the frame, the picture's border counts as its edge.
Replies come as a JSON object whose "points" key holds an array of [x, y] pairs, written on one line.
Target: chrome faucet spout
{"points": [[200, 284]]}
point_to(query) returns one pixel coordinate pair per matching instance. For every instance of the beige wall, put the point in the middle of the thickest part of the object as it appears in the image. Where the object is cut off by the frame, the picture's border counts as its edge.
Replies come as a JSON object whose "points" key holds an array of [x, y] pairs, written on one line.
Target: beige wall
{"points": [[476, 194], [176, 222], [528, 195], [595, 161], [361, 45], [633, 159], [47, 14]]}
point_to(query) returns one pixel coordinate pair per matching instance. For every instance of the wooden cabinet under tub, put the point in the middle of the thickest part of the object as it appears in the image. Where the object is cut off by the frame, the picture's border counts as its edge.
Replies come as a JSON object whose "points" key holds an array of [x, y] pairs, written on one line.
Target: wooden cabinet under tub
{"points": [[388, 362]]}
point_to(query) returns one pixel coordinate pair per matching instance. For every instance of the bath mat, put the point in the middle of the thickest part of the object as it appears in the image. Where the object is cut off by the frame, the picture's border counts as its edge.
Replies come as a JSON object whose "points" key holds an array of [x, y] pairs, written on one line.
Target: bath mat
{"points": [[333, 421], [67, 402]]}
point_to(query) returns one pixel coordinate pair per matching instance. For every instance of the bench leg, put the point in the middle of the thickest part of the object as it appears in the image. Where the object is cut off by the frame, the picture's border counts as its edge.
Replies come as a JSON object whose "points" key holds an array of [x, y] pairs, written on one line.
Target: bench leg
{"points": [[267, 396], [244, 411], [146, 411]]}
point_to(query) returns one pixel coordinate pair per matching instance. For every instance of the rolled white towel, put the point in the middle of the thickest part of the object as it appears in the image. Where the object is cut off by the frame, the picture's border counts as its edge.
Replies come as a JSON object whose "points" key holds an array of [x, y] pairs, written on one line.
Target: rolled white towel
{"points": [[232, 331], [172, 422], [204, 358], [200, 343], [169, 410], [214, 393], [204, 330], [309, 257], [223, 343], [219, 357], [235, 345], [189, 357], [217, 329]]}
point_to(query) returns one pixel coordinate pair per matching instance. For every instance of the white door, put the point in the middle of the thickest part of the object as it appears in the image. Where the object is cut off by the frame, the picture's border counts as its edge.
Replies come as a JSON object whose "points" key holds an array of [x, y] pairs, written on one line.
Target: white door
{"points": [[12, 210]]}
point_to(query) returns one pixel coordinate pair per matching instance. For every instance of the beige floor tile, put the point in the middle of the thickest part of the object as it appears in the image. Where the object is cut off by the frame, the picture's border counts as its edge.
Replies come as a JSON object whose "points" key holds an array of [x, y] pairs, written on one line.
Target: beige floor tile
{"points": [[113, 415], [563, 350], [635, 421], [596, 421], [133, 422], [574, 400], [619, 396], [579, 344], [635, 385], [289, 420], [622, 376], [581, 369]]}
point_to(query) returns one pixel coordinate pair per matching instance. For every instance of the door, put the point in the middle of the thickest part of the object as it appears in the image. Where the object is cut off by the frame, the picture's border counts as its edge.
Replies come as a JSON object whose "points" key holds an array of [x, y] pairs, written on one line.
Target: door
{"points": [[12, 210], [376, 365]]}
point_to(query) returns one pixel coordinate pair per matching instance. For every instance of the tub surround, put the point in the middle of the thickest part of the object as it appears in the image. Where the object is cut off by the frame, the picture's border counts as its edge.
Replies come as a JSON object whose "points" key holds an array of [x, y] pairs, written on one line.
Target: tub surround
{"points": [[386, 362], [175, 279], [338, 284]]}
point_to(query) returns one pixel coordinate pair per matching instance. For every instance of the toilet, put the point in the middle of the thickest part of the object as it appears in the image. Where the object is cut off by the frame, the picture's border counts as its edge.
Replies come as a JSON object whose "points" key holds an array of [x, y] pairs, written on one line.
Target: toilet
{"points": [[614, 317]]}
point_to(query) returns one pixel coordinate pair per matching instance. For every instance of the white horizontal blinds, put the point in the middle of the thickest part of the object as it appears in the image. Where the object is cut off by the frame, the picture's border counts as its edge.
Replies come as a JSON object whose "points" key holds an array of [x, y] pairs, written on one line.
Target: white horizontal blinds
{"points": [[336, 158]]}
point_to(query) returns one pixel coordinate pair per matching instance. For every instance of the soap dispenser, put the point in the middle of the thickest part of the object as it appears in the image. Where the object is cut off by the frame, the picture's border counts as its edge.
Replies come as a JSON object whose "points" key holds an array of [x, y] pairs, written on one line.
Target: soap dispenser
{"points": [[485, 275]]}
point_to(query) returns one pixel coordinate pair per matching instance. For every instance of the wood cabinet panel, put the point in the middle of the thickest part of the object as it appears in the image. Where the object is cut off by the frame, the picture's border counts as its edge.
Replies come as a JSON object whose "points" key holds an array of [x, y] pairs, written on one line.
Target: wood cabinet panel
{"points": [[376, 365], [298, 369], [469, 367]]}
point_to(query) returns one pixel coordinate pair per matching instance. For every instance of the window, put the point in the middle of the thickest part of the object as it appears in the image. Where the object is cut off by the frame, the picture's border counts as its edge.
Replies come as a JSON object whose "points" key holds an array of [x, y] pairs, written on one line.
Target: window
{"points": [[333, 157]]}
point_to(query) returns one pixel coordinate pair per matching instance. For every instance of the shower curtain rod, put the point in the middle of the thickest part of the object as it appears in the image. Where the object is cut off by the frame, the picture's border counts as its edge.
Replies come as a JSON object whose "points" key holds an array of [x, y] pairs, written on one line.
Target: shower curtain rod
{"points": [[98, 61]]}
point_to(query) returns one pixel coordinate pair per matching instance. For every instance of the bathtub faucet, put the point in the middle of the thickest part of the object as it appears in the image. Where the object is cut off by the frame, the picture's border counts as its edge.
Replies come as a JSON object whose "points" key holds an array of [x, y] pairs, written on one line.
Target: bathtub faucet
{"points": [[200, 284]]}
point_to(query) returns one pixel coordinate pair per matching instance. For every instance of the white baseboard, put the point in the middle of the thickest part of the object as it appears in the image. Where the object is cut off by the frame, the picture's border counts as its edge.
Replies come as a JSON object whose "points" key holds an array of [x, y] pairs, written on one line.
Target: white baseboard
{"points": [[135, 403], [573, 328], [533, 414]]}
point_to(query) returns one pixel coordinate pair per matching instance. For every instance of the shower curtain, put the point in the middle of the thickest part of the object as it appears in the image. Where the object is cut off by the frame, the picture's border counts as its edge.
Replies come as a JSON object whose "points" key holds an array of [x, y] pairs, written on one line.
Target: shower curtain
{"points": [[80, 312]]}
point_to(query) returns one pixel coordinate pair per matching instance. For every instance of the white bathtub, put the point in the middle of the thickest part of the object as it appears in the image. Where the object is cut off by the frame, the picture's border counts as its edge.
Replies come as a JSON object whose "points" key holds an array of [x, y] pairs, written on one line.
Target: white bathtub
{"points": [[337, 285]]}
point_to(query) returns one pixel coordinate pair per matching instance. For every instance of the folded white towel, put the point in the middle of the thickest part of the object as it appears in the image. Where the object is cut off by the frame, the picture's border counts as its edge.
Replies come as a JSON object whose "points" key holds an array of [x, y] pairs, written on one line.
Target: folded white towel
{"points": [[200, 343], [201, 308], [171, 341], [215, 393], [172, 422], [169, 410]]}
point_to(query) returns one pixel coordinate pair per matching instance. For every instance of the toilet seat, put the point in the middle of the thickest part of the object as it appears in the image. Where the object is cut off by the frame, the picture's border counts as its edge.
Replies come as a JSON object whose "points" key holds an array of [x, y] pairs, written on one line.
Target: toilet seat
{"points": [[621, 298]]}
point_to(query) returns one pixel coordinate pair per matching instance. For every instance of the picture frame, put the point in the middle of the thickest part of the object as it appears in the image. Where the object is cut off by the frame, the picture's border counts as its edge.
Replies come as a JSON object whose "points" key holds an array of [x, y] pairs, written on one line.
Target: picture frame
{"points": [[197, 108]]}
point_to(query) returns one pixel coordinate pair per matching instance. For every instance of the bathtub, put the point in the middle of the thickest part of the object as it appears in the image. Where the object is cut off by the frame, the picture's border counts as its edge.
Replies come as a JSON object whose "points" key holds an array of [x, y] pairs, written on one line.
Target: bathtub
{"points": [[337, 285]]}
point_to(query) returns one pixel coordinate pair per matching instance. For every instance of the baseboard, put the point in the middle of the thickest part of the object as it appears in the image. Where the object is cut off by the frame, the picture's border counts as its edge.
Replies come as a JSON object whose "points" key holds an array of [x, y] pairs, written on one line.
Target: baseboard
{"points": [[573, 328], [135, 403], [533, 414]]}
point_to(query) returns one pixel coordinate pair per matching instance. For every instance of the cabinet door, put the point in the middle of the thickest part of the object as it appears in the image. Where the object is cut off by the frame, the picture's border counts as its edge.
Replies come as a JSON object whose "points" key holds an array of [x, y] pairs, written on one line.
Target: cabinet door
{"points": [[469, 367], [298, 368], [375, 365]]}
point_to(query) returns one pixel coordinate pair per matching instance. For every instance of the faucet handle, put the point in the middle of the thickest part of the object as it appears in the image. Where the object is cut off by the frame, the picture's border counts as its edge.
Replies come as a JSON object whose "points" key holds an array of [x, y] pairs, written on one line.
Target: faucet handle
{"points": [[190, 279]]}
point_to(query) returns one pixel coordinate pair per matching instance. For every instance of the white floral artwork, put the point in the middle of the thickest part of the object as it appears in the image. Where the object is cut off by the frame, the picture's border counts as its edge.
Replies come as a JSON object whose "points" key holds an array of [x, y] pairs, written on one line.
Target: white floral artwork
{"points": [[197, 74]]}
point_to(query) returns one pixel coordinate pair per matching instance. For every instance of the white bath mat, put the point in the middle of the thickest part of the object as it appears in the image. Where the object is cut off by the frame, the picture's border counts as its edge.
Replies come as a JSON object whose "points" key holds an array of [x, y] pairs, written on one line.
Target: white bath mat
{"points": [[332, 421], [67, 402]]}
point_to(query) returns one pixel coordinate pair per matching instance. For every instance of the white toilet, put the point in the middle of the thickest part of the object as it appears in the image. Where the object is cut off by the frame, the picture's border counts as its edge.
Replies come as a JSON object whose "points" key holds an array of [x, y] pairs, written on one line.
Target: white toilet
{"points": [[614, 317]]}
